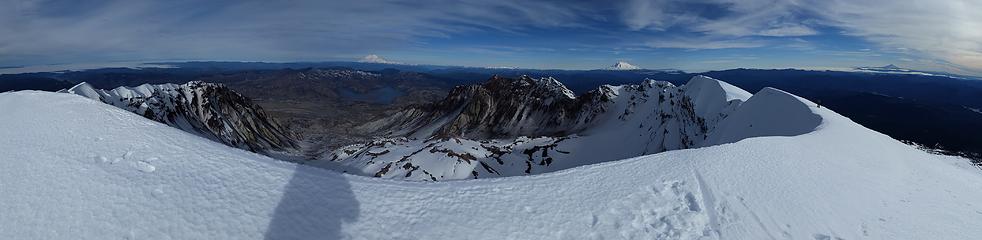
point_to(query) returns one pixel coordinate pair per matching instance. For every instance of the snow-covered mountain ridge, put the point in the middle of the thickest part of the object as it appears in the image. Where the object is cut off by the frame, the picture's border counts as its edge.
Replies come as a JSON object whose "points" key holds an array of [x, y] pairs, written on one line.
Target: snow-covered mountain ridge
{"points": [[500, 107], [488, 130], [209, 110], [75, 168]]}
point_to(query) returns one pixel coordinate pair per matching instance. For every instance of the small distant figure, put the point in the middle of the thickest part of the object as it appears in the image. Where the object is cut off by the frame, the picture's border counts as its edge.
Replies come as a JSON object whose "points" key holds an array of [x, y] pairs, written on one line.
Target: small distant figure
{"points": [[819, 103]]}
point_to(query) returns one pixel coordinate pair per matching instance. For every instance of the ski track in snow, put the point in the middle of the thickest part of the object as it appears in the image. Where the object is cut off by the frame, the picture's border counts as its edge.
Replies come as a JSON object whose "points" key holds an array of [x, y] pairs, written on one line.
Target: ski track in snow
{"points": [[106, 173], [709, 202]]}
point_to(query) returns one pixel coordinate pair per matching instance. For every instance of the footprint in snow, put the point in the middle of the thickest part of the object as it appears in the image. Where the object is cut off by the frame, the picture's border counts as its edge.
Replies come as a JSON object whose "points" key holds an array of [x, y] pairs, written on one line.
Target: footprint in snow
{"points": [[819, 236], [144, 166]]}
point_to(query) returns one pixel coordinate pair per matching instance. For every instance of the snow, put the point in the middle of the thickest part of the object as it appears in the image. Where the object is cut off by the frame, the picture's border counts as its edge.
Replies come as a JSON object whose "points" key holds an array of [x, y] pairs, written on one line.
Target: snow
{"points": [[86, 90], [372, 58], [206, 109], [893, 69], [891, 66], [773, 112], [640, 119], [976, 110], [73, 168], [117, 96], [702, 84], [712, 96], [621, 65], [554, 85]]}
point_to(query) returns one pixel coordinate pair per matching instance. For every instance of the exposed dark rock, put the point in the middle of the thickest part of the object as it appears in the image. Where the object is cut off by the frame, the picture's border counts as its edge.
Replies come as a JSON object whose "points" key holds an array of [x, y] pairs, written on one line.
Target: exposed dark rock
{"points": [[500, 107], [206, 109]]}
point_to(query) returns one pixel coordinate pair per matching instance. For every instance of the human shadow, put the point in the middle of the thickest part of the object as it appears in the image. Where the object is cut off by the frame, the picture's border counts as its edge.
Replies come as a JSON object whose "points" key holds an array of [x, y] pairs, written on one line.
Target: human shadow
{"points": [[315, 204]]}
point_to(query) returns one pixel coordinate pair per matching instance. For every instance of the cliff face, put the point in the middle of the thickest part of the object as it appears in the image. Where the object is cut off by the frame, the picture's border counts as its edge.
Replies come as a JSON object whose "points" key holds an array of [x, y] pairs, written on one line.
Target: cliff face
{"points": [[508, 127], [209, 110], [500, 107]]}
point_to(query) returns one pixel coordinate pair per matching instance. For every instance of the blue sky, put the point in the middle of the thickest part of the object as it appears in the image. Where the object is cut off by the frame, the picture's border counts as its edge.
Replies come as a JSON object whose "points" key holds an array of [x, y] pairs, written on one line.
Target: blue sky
{"points": [[688, 35]]}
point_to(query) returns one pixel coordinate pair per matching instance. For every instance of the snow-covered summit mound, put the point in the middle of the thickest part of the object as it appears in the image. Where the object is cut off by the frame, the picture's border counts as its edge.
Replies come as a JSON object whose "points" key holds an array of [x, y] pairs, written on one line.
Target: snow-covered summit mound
{"points": [[712, 96], [773, 112], [75, 168], [714, 90], [86, 90]]}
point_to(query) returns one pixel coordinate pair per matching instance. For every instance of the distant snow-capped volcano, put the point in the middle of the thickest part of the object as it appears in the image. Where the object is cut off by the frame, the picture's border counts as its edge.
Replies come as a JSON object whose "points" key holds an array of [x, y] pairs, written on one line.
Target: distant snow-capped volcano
{"points": [[622, 65], [372, 58], [887, 68]]}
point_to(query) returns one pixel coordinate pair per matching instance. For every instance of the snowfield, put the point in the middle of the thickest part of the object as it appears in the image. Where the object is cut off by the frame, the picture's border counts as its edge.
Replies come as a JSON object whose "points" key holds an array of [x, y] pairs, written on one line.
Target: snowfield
{"points": [[75, 168]]}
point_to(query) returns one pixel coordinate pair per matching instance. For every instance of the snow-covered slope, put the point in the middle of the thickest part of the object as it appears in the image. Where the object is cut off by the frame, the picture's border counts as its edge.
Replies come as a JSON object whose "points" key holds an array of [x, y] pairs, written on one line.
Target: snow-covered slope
{"points": [[75, 168], [774, 112], [209, 110], [505, 127]]}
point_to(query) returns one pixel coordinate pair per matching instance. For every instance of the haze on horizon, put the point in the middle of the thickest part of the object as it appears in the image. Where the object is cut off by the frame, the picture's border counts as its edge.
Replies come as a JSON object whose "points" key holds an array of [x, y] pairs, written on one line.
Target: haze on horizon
{"points": [[687, 35]]}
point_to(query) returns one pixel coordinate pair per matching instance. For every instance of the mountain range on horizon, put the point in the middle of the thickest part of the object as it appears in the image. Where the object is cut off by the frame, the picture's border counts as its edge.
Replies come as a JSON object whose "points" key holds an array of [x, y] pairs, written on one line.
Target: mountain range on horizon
{"points": [[306, 96], [377, 62]]}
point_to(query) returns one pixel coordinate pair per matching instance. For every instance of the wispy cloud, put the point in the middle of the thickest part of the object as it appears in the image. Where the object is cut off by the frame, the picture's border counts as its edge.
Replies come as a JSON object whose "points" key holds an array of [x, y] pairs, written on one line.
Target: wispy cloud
{"points": [[788, 30], [697, 43], [947, 30], [122, 29], [717, 17], [63, 31]]}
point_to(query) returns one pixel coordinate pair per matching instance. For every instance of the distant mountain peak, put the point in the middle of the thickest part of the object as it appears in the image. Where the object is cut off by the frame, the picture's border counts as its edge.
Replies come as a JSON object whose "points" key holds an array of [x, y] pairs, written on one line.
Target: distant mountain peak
{"points": [[622, 65], [372, 58], [887, 68]]}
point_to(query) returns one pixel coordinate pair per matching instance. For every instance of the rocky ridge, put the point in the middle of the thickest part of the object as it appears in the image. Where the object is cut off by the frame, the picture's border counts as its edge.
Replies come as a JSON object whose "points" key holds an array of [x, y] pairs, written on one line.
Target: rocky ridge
{"points": [[205, 109]]}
